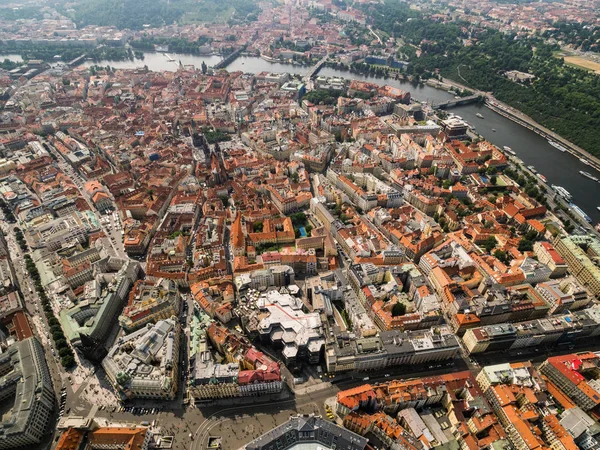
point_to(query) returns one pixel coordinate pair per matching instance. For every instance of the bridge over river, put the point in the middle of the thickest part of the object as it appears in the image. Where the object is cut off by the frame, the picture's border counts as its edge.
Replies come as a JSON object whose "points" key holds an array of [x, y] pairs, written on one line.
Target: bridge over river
{"points": [[315, 69], [457, 102]]}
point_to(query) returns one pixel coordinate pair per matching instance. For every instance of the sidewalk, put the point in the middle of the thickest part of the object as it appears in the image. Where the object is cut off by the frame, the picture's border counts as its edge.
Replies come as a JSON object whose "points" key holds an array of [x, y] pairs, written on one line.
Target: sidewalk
{"points": [[304, 390]]}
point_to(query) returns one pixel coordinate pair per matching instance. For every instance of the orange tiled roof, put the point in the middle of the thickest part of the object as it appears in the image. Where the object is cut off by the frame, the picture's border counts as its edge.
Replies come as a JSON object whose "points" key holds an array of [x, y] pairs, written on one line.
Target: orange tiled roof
{"points": [[70, 440]]}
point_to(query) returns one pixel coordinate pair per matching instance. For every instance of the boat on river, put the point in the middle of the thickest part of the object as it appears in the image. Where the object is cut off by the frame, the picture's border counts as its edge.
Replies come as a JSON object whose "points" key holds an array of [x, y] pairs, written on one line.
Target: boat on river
{"points": [[580, 212], [509, 150], [588, 175], [480, 115], [561, 191], [557, 146]]}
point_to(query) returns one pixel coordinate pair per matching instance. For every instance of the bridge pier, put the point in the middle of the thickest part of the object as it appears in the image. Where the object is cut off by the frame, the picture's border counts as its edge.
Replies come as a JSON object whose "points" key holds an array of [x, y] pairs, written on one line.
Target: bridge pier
{"points": [[457, 102]]}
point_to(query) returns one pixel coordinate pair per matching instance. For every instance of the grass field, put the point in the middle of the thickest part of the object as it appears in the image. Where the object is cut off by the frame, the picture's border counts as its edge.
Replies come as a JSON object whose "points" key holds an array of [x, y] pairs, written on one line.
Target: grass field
{"points": [[583, 63]]}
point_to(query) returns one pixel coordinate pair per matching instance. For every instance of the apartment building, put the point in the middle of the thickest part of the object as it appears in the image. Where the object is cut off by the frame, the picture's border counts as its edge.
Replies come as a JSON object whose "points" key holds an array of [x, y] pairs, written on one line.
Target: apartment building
{"points": [[547, 254], [581, 254], [390, 348], [105, 438], [244, 372], [565, 294], [149, 302], [104, 299], [576, 376], [308, 431], [145, 363], [26, 381]]}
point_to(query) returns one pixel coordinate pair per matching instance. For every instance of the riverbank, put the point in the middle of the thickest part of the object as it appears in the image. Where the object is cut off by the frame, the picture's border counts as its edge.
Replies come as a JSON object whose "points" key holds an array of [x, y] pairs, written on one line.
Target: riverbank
{"points": [[518, 117], [527, 122]]}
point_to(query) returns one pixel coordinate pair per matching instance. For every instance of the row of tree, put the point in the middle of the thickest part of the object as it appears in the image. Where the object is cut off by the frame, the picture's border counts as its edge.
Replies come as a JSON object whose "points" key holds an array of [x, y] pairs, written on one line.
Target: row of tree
{"points": [[177, 45], [67, 358]]}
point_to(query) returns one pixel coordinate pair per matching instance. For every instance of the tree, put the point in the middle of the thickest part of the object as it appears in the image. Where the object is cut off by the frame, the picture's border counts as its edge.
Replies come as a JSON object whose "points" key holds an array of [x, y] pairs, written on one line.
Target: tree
{"points": [[501, 255], [399, 309], [525, 245], [489, 243], [493, 180], [67, 361], [56, 335]]}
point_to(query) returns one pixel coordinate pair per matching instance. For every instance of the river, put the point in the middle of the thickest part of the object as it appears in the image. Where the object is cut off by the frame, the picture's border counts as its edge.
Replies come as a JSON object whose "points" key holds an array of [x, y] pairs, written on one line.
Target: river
{"points": [[559, 168], [158, 62]]}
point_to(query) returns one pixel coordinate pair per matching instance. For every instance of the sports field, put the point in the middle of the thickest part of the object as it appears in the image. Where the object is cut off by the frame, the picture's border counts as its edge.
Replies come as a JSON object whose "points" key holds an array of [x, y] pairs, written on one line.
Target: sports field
{"points": [[583, 63]]}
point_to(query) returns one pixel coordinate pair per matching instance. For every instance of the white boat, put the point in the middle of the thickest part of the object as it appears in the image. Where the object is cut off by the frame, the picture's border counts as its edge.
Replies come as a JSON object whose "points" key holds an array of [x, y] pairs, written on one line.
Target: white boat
{"points": [[509, 150], [557, 146], [585, 161], [480, 115], [562, 192], [588, 175], [542, 177], [579, 211], [532, 169]]}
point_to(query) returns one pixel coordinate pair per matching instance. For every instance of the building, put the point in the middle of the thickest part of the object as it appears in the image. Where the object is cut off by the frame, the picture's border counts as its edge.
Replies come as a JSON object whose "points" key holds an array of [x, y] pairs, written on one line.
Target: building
{"points": [[105, 438], [278, 275], [308, 432], [584, 429], [551, 331], [278, 319], [145, 363], [565, 294], [581, 254], [548, 255], [514, 394], [150, 302], [103, 300], [27, 383], [244, 371], [390, 348], [98, 195], [576, 376], [455, 128], [439, 411], [56, 233]]}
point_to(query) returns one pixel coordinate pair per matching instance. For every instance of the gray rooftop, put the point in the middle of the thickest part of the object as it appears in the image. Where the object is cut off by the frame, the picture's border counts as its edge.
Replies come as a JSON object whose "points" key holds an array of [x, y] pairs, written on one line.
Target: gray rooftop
{"points": [[308, 430]]}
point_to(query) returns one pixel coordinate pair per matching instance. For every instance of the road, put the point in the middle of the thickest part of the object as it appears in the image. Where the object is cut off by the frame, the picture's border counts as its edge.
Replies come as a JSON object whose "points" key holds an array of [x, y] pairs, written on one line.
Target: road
{"points": [[33, 307], [109, 223], [238, 422], [37, 319], [375, 34]]}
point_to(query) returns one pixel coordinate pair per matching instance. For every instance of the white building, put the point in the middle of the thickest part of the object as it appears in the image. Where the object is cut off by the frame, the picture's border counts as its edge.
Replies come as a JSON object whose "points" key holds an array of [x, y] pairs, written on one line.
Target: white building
{"points": [[145, 363]]}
